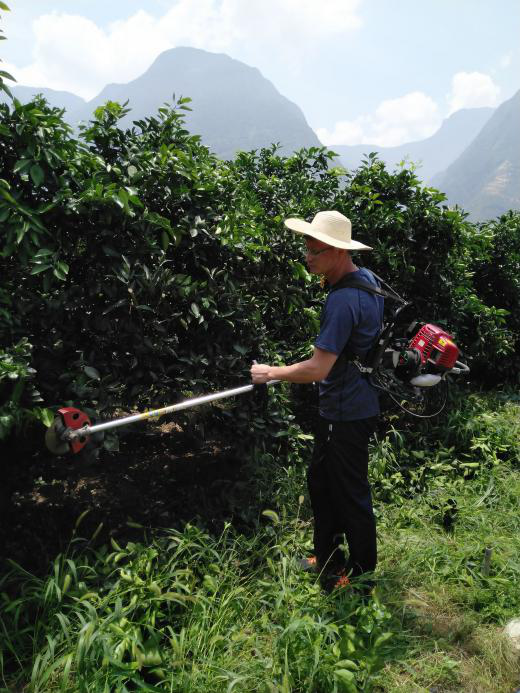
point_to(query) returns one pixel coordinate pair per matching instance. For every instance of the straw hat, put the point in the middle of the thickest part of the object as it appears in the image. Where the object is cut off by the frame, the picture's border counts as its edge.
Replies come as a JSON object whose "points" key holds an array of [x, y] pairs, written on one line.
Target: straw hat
{"points": [[330, 227]]}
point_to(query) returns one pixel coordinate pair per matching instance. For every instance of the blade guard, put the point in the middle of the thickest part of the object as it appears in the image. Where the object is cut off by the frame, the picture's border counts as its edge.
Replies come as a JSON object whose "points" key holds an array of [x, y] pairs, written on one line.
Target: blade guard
{"points": [[73, 419]]}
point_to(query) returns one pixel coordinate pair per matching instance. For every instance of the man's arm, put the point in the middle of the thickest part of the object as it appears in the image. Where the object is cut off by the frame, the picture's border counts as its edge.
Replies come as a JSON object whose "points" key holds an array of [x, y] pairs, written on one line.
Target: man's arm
{"points": [[312, 370]]}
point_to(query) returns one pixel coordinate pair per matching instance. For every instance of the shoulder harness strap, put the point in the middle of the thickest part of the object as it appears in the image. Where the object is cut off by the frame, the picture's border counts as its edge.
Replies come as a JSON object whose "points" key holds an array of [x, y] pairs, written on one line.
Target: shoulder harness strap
{"points": [[348, 282]]}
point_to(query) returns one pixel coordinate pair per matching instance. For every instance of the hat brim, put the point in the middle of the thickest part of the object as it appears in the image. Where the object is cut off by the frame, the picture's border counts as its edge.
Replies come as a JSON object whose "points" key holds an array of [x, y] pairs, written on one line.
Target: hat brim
{"points": [[303, 227]]}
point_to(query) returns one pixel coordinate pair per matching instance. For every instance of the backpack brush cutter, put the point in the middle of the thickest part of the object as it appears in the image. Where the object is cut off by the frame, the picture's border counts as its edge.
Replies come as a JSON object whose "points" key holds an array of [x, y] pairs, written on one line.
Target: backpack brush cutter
{"points": [[407, 368]]}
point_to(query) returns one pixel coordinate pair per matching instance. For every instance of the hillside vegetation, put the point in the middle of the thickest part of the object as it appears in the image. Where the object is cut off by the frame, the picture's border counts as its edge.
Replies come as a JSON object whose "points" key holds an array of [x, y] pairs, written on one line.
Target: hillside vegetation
{"points": [[137, 270]]}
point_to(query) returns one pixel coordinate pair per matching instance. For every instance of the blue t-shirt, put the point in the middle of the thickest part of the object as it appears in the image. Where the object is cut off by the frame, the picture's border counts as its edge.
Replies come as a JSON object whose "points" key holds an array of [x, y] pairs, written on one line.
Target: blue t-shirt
{"points": [[354, 316]]}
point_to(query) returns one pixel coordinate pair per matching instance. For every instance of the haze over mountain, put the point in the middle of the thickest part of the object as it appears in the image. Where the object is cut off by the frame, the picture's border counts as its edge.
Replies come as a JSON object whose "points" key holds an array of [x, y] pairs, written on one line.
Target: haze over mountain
{"points": [[234, 106], [431, 155], [474, 156], [60, 99], [485, 179]]}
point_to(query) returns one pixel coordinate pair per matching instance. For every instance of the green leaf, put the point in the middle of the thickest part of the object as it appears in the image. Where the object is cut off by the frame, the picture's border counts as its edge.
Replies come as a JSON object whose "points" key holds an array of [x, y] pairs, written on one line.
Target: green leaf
{"points": [[40, 268], [37, 174], [123, 197], [195, 310], [347, 664], [271, 515], [59, 274], [382, 639], [4, 87], [8, 196], [92, 373], [21, 165], [347, 680], [4, 7], [20, 233], [46, 416]]}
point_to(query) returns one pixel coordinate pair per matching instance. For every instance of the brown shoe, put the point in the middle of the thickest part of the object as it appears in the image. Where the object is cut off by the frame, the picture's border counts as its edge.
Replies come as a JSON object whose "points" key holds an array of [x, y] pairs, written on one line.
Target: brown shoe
{"points": [[309, 564], [342, 581]]}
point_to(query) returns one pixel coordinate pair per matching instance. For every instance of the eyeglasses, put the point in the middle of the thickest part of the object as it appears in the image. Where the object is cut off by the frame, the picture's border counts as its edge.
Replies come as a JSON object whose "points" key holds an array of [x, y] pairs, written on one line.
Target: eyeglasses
{"points": [[314, 253]]}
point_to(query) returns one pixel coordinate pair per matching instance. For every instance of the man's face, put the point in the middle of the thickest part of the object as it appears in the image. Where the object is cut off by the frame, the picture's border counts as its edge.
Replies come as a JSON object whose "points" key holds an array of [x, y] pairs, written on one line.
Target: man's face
{"points": [[319, 255]]}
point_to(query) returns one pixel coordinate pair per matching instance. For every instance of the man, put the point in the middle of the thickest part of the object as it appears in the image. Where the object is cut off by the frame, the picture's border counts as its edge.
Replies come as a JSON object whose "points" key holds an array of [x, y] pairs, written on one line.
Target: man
{"points": [[348, 405]]}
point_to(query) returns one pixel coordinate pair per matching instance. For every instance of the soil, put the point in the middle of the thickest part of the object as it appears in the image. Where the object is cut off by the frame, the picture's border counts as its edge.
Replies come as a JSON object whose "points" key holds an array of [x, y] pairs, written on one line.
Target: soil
{"points": [[160, 477]]}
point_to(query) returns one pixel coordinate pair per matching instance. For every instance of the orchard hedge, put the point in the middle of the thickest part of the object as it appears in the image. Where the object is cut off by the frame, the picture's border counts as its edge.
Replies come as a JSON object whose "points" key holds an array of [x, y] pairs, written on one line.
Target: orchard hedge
{"points": [[141, 268]]}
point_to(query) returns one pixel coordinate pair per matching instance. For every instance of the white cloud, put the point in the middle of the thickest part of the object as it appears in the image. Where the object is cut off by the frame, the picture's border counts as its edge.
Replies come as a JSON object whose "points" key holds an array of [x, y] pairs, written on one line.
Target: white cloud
{"points": [[295, 21], [472, 90], [72, 52], [395, 121]]}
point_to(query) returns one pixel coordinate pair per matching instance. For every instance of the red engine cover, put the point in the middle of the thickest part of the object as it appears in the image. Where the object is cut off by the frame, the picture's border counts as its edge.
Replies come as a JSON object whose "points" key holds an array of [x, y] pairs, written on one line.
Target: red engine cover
{"points": [[436, 346]]}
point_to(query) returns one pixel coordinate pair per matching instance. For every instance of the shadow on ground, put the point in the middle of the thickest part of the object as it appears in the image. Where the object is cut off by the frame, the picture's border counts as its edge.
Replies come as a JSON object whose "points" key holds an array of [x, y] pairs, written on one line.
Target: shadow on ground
{"points": [[160, 477]]}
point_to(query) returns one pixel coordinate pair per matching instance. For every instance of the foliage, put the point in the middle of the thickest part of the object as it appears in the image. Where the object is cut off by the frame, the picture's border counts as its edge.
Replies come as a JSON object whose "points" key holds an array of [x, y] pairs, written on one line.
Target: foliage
{"points": [[4, 75], [18, 396], [183, 610], [497, 281], [142, 268], [425, 250], [188, 612], [123, 279], [474, 435]]}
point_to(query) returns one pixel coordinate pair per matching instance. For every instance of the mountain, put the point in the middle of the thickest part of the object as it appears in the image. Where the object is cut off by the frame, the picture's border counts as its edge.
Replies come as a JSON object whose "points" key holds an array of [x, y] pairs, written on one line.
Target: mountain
{"points": [[485, 179], [234, 106], [433, 154], [60, 99]]}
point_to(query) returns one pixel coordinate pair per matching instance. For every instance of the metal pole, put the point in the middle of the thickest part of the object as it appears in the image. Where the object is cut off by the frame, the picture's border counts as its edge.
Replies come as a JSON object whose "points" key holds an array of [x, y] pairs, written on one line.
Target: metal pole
{"points": [[187, 404]]}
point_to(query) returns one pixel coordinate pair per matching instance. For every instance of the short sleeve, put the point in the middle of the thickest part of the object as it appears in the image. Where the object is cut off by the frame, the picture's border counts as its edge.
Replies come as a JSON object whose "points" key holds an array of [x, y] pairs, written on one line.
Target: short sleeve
{"points": [[337, 322]]}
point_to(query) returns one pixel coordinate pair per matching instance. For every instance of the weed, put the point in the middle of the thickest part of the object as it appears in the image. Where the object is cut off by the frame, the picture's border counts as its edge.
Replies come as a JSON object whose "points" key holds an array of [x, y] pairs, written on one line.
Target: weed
{"points": [[190, 612]]}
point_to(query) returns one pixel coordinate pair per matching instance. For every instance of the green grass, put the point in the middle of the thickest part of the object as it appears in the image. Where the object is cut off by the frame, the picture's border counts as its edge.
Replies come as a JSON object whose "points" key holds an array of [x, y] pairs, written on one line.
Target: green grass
{"points": [[188, 612], [450, 613]]}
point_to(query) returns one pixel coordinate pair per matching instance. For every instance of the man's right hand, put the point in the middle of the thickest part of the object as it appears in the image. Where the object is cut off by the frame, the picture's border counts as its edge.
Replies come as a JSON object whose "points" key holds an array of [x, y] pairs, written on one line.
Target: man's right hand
{"points": [[260, 373]]}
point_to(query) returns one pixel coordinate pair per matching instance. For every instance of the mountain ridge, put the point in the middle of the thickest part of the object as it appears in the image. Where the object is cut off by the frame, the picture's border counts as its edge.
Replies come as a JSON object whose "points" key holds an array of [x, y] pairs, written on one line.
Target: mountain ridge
{"points": [[485, 178], [432, 154], [236, 108], [247, 111]]}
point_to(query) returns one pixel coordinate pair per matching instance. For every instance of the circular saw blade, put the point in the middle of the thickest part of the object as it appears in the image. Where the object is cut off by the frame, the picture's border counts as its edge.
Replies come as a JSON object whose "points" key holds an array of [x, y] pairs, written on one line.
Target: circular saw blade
{"points": [[53, 440]]}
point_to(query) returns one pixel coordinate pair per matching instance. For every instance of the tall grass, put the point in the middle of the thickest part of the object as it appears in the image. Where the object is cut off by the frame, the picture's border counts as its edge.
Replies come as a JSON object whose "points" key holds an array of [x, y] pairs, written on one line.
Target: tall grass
{"points": [[184, 611], [188, 612]]}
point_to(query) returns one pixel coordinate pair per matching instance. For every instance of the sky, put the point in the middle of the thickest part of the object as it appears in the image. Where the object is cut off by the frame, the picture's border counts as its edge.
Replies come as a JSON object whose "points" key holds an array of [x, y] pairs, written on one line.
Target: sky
{"points": [[379, 72]]}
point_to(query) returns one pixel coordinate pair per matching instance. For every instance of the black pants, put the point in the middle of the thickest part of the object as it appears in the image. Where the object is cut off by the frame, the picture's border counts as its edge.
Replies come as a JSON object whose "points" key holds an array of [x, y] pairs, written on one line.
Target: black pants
{"points": [[340, 495]]}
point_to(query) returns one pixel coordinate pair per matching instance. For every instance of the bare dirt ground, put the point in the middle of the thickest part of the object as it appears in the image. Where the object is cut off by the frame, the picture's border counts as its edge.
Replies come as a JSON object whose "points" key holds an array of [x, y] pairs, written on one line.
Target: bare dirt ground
{"points": [[158, 478]]}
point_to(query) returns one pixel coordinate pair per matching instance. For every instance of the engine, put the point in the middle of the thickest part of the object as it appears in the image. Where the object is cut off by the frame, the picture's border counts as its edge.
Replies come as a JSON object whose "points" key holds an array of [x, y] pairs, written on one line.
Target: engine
{"points": [[435, 346], [422, 360]]}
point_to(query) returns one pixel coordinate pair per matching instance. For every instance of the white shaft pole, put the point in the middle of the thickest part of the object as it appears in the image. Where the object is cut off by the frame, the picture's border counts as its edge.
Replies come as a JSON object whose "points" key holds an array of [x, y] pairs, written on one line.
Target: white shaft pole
{"points": [[194, 402]]}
